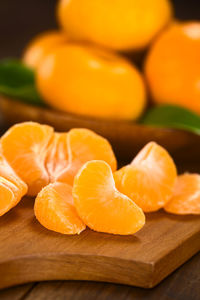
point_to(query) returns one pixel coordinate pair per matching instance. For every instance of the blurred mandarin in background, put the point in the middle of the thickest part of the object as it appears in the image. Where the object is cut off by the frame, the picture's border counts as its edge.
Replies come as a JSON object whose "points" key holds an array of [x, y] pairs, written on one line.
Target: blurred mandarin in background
{"points": [[41, 45], [171, 66], [90, 81], [119, 24]]}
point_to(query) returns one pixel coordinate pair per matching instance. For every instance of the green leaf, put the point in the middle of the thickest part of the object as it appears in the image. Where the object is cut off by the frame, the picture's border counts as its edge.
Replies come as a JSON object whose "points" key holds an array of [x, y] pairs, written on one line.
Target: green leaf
{"points": [[18, 81], [172, 117]]}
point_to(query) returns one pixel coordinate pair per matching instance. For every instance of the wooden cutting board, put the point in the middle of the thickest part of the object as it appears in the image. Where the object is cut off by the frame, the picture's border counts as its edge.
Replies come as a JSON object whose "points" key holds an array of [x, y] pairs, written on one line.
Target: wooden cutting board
{"points": [[29, 252]]}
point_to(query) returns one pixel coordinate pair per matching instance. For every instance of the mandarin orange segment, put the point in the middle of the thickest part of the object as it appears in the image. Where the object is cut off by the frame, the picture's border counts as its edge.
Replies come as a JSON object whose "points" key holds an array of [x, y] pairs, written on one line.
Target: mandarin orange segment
{"points": [[186, 197], [85, 145], [100, 205], [25, 146], [8, 173], [10, 195], [7, 197], [57, 156], [149, 179], [55, 210]]}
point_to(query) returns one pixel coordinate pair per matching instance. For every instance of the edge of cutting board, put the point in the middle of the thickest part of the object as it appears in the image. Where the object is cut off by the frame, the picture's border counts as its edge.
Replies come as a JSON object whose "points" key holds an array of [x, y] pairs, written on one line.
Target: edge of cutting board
{"points": [[29, 252]]}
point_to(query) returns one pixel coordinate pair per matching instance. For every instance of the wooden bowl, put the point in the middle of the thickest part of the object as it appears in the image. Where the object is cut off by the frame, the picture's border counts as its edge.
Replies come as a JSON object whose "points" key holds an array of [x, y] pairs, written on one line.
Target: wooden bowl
{"points": [[127, 138]]}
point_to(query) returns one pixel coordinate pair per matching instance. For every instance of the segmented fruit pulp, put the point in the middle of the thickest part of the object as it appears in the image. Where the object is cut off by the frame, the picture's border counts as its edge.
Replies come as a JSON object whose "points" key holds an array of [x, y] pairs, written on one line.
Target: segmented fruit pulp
{"points": [[75, 175], [149, 179], [100, 205], [55, 210], [186, 195]]}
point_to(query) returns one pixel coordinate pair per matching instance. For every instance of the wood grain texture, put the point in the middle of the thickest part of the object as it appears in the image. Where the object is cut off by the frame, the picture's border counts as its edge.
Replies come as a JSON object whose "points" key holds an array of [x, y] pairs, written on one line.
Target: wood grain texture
{"points": [[183, 284], [17, 293], [127, 138], [29, 252]]}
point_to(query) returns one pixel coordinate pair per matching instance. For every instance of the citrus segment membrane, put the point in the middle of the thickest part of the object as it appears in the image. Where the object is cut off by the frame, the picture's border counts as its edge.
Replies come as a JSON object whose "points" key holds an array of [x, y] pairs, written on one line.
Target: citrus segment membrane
{"points": [[55, 210], [100, 205], [149, 179]]}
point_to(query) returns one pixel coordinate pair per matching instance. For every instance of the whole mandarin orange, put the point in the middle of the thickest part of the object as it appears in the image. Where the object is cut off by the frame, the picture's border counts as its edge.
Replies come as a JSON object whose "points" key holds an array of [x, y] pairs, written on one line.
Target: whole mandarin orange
{"points": [[90, 81], [41, 45], [119, 24], [172, 66]]}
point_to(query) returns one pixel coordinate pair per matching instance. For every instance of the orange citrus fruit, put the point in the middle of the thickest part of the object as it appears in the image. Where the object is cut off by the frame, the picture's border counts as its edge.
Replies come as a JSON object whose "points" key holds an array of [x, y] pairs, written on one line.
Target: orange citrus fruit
{"points": [[172, 66], [186, 197], [149, 179], [25, 146], [55, 210], [8, 194], [100, 205], [85, 145], [41, 45], [9, 174], [119, 24], [88, 81], [12, 188], [42, 156], [57, 158]]}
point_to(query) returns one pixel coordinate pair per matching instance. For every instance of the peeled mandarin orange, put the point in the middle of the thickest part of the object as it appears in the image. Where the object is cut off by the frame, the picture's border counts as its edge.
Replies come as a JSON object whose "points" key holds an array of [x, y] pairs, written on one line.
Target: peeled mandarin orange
{"points": [[149, 180], [119, 24], [57, 158], [41, 45], [186, 196], [89, 81], [25, 146], [171, 66], [9, 174], [85, 145], [8, 195], [55, 210], [12, 188], [100, 205]]}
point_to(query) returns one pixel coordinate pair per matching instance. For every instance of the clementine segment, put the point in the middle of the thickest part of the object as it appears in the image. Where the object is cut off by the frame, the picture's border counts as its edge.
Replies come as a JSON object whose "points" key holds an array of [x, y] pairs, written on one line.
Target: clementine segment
{"points": [[9, 174], [85, 145], [25, 146], [55, 210], [12, 188], [186, 196], [100, 205], [149, 179], [10, 195], [41, 45], [57, 158], [7, 194]]}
